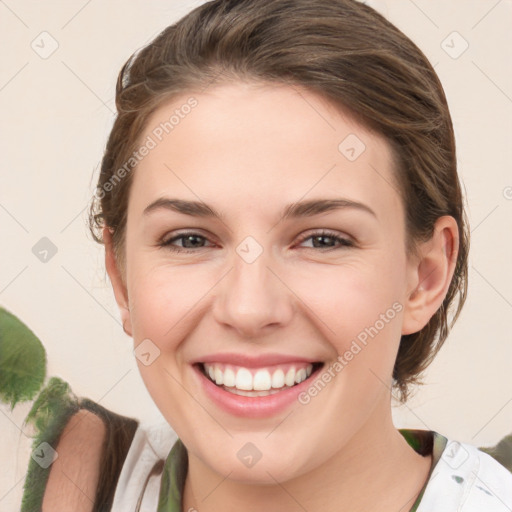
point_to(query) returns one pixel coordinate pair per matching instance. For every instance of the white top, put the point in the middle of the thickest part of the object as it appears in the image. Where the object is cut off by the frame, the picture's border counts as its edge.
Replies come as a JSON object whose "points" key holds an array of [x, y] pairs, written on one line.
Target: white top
{"points": [[150, 444], [464, 479]]}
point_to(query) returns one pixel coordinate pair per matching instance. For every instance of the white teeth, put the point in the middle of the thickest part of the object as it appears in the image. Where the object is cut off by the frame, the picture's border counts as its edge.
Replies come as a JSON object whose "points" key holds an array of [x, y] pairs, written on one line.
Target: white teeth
{"points": [[261, 380], [218, 376], [229, 378], [243, 379], [300, 376], [278, 379], [251, 393], [289, 380]]}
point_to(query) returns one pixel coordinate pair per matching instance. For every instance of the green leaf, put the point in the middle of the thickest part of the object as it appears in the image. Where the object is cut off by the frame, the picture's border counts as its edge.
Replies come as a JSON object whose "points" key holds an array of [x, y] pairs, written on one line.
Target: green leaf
{"points": [[49, 414], [22, 360], [55, 398]]}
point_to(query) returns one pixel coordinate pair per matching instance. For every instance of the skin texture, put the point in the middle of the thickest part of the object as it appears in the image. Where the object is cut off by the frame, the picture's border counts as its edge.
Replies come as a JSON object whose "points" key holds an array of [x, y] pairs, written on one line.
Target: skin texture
{"points": [[73, 478], [248, 150]]}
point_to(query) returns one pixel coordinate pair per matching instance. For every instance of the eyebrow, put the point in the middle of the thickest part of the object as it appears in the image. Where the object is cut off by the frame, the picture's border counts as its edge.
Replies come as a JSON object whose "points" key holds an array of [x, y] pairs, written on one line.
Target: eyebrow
{"points": [[294, 210]]}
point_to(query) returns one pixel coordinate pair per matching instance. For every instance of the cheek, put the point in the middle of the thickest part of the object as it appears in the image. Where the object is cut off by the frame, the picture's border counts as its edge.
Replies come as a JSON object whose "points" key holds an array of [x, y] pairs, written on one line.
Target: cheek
{"points": [[166, 303], [358, 309], [164, 297], [350, 299]]}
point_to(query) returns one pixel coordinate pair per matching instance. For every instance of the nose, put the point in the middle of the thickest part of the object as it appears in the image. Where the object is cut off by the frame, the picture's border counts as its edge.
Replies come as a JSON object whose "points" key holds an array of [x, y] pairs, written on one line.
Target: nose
{"points": [[253, 298]]}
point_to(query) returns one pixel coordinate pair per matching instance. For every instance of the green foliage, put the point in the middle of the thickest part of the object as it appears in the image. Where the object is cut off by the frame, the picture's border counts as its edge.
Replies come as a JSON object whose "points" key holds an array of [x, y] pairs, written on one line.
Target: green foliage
{"points": [[49, 414], [22, 360], [53, 399]]}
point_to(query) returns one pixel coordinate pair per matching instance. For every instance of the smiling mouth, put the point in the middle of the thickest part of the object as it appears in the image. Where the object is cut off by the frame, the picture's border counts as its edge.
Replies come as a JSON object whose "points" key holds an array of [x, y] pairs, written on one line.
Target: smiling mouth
{"points": [[255, 382]]}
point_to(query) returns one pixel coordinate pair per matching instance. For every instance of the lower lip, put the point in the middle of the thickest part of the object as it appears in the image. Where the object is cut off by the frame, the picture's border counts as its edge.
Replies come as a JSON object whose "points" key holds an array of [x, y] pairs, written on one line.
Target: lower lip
{"points": [[253, 407]]}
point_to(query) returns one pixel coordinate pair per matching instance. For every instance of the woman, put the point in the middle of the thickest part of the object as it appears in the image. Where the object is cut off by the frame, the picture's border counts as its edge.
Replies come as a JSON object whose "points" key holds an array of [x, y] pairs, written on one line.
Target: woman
{"points": [[285, 235]]}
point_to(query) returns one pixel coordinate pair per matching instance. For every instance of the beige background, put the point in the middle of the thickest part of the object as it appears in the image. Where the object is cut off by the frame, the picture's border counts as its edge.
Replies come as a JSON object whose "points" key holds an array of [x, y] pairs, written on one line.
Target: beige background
{"points": [[56, 113]]}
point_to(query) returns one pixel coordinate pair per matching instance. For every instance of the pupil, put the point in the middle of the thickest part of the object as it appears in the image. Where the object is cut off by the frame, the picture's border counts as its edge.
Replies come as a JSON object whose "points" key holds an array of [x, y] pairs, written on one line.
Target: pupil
{"points": [[320, 237], [191, 238]]}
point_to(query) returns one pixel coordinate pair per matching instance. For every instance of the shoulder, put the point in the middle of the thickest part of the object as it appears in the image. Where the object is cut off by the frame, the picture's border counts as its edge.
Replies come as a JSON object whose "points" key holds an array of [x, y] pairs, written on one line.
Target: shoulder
{"points": [[74, 474], [78, 450], [469, 480]]}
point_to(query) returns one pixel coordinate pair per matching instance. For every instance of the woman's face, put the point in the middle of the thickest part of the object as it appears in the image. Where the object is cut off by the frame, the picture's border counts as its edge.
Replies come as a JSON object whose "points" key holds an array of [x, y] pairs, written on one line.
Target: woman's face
{"points": [[260, 296]]}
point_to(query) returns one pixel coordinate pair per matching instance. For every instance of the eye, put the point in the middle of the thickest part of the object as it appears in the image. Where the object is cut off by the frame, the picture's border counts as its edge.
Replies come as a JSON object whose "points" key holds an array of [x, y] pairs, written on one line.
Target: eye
{"points": [[190, 241], [322, 237]]}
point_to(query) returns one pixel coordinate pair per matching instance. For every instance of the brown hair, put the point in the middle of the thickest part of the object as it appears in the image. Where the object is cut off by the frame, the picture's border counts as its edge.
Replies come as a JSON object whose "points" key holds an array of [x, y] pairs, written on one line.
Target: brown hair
{"points": [[345, 52]]}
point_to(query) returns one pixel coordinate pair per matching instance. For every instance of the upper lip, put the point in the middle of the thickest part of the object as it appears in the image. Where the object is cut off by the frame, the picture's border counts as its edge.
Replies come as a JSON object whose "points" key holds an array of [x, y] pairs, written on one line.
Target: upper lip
{"points": [[249, 361]]}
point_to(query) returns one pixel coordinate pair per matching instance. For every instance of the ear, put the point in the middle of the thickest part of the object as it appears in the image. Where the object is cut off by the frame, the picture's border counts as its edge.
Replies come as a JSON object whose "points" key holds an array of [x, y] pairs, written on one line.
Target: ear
{"points": [[430, 275], [118, 285]]}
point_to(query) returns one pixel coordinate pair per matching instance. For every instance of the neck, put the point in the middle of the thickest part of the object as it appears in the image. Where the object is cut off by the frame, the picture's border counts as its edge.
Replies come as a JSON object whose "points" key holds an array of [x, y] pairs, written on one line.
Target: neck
{"points": [[375, 470]]}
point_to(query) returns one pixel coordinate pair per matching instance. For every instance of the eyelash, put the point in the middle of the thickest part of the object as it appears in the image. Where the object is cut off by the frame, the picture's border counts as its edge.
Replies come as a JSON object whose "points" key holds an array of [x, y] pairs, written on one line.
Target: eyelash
{"points": [[344, 242]]}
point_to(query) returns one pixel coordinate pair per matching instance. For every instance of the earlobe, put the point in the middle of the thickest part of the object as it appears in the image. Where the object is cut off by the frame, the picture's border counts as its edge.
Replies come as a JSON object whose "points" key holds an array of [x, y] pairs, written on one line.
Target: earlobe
{"points": [[431, 274], [118, 285]]}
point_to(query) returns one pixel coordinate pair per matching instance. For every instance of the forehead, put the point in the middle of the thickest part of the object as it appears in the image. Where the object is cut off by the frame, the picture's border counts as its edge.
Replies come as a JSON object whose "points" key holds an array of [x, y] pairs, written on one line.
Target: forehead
{"points": [[251, 146]]}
